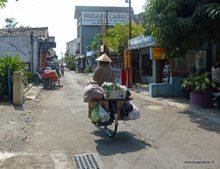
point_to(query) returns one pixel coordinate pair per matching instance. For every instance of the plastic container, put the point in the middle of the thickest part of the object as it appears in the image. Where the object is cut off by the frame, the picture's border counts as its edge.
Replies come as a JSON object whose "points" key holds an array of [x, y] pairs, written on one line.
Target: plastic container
{"points": [[50, 74], [114, 94]]}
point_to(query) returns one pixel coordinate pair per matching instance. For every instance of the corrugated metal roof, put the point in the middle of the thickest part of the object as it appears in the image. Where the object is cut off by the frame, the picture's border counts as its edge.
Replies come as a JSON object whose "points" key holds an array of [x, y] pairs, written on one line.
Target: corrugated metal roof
{"points": [[41, 32]]}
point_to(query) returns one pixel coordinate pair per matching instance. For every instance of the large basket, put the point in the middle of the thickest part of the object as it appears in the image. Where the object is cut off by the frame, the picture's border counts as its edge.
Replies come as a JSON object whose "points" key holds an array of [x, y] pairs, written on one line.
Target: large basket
{"points": [[105, 103]]}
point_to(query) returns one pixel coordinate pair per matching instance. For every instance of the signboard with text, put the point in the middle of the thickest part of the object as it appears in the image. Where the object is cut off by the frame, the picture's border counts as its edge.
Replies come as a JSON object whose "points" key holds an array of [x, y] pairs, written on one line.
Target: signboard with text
{"points": [[47, 44], [157, 53], [94, 18], [127, 59]]}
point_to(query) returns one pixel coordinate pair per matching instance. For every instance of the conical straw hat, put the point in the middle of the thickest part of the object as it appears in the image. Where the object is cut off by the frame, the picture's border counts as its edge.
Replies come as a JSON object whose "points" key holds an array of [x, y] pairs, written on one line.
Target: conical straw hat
{"points": [[103, 58]]}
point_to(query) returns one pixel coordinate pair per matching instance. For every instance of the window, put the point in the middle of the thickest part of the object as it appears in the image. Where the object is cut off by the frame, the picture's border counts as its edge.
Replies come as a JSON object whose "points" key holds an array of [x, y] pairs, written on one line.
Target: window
{"points": [[193, 61]]}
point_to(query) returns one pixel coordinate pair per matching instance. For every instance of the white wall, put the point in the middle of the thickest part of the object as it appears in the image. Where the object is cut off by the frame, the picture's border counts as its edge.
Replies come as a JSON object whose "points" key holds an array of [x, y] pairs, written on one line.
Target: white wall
{"points": [[20, 46]]}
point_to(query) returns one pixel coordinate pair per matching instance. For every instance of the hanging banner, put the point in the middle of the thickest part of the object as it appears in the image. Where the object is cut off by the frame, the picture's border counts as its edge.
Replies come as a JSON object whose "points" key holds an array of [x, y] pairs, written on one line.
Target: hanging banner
{"points": [[157, 53], [127, 59]]}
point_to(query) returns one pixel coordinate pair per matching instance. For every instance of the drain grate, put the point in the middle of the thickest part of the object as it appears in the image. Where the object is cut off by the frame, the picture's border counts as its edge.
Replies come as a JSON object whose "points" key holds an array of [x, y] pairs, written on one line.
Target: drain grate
{"points": [[87, 161]]}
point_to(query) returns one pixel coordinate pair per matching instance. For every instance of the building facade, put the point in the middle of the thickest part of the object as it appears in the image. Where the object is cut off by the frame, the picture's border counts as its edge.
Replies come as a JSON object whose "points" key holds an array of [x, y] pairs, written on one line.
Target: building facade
{"points": [[89, 21], [32, 45], [72, 47]]}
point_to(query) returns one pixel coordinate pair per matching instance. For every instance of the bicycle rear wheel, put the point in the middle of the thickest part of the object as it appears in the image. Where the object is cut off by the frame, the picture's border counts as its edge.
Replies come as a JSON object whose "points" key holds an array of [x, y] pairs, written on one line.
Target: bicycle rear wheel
{"points": [[48, 83]]}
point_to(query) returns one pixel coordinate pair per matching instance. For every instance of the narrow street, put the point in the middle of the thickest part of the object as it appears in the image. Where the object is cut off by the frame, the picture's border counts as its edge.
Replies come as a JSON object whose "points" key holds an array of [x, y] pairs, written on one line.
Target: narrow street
{"points": [[54, 127]]}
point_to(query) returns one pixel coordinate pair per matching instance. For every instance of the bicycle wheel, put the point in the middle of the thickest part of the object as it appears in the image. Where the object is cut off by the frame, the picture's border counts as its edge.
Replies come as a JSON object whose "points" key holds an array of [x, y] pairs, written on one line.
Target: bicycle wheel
{"points": [[36, 79], [111, 130], [48, 83]]}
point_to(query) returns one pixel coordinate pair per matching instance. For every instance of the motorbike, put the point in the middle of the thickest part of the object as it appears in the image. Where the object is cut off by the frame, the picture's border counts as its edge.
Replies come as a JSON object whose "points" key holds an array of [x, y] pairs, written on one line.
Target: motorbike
{"points": [[48, 77]]}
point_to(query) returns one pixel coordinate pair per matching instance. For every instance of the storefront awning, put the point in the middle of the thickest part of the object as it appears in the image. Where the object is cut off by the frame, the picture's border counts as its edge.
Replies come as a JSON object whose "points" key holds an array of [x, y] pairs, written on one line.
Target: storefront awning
{"points": [[141, 42]]}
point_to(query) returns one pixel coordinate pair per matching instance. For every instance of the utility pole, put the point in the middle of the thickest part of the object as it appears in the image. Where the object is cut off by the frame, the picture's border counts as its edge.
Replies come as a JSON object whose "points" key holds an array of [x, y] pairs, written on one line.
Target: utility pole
{"points": [[62, 56], [107, 51], [130, 19], [32, 51]]}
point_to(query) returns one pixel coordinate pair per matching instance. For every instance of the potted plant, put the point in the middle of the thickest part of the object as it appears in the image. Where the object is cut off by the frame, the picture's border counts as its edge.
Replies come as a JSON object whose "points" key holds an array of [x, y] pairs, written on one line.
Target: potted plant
{"points": [[200, 89]]}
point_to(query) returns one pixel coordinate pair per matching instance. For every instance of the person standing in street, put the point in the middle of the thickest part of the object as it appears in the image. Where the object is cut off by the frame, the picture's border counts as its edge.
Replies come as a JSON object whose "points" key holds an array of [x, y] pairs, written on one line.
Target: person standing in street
{"points": [[62, 69], [104, 72]]}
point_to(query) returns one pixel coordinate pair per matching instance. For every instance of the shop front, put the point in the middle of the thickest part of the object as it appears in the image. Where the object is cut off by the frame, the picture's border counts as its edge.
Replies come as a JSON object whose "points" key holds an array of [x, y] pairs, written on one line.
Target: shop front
{"points": [[143, 67], [179, 68], [150, 65], [165, 76]]}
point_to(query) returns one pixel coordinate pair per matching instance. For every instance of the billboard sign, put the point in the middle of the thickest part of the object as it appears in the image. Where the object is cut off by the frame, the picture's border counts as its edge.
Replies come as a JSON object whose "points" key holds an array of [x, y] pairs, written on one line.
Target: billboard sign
{"points": [[157, 53], [94, 18], [47, 44]]}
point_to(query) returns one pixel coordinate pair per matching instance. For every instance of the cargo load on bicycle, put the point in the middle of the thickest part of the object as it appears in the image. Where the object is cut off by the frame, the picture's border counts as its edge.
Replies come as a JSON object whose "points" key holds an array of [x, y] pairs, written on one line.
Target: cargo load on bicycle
{"points": [[108, 104]]}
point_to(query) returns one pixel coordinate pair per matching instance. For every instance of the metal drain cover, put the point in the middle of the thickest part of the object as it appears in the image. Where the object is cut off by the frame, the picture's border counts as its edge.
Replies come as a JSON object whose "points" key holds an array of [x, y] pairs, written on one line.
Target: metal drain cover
{"points": [[87, 161]]}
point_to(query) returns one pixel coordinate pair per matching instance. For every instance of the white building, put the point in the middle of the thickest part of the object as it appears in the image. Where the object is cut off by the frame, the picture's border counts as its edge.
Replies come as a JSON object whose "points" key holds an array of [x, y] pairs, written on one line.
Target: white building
{"points": [[30, 44], [72, 47]]}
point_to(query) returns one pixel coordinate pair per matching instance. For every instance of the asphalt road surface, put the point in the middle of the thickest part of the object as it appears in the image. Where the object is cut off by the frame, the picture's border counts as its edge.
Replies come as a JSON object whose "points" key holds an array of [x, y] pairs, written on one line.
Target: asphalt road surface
{"points": [[51, 130]]}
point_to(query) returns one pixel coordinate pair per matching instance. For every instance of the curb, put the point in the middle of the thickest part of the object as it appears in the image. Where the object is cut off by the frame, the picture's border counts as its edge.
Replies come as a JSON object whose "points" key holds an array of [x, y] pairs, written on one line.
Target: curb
{"points": [[210, 114], [28, 88]]}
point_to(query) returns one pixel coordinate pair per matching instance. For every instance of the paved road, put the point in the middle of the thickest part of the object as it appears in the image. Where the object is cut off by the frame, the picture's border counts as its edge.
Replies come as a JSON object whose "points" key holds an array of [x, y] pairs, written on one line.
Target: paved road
{"points": [[56, 127]]}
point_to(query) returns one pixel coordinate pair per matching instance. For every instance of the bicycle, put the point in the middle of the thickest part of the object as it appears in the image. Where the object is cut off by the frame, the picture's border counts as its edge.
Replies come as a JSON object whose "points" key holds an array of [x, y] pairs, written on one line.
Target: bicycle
{"points": [[113, 107]]}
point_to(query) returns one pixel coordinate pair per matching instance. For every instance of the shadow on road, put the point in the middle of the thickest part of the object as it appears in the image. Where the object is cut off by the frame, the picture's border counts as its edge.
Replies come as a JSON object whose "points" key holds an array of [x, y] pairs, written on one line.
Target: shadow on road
{"points": [[6, 104], [9, 104], [123, 142], [57, 87], [204, 122]]}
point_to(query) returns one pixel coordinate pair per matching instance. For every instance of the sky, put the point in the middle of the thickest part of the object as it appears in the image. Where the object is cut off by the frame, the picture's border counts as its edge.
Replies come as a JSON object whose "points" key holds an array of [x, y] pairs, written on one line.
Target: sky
{"points": [[57, 15]]}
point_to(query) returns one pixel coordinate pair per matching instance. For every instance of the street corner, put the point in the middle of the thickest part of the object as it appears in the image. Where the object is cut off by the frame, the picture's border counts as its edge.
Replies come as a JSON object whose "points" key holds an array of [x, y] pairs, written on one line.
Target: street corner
{"points": [[33, 92]]}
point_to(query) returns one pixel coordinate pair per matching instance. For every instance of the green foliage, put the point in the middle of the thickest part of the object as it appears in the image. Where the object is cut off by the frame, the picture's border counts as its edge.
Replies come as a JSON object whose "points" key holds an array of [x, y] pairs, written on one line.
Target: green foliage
{"points": [[97, 42], [89, 69], [15, 65], [77, 51], [181, 25], [29, 75], [198, 83], [70, 62], [3, 3], [10, 23], [117, 38]]}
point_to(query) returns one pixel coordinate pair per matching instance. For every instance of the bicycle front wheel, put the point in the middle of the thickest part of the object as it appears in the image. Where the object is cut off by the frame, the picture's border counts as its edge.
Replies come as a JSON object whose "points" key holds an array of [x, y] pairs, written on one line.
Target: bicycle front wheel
{"points": [[111, 130]]}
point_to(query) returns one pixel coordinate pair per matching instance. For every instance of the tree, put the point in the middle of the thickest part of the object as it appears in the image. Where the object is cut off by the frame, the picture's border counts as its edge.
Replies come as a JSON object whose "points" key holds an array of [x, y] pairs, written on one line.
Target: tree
{"points": [[97, 42], [10, 23], [3, 3], [70, 61], [181, 25], [117, 37]]}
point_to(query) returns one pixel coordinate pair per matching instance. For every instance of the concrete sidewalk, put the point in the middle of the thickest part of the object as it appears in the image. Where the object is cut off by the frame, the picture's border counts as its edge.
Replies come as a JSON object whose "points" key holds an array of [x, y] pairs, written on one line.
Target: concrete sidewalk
{"points": [[142, 91]]}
